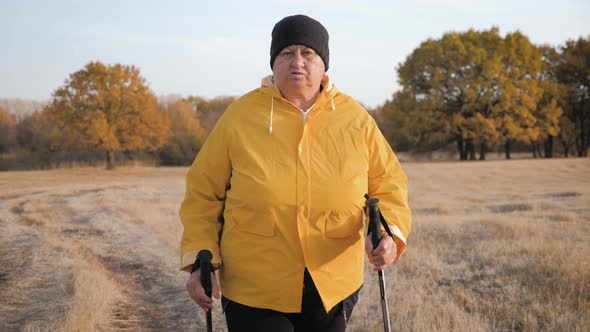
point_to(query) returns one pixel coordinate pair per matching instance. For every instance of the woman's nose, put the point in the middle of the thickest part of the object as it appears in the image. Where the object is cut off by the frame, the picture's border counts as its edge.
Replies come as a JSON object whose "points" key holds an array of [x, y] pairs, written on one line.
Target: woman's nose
{"points": [[297, 60]]}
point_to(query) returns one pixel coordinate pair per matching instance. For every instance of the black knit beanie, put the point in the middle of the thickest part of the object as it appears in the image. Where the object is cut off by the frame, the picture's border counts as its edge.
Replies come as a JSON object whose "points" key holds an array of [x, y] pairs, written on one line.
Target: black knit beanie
{"points": [[303, 30]]}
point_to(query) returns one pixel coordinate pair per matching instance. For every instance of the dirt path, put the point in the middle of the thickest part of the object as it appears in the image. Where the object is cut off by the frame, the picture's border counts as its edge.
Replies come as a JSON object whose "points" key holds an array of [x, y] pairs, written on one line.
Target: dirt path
{"points": [[104, 227]]}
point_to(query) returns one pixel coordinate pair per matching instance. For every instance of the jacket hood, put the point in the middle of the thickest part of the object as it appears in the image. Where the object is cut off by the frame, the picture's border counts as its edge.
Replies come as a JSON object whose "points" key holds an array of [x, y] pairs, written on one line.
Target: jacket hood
{"points": [[327, 95], [269, 83]]}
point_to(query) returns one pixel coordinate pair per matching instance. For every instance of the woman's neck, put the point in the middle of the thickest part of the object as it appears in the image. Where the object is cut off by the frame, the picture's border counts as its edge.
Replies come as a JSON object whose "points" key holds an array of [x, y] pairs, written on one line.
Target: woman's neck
{"points": [[302, 100]]}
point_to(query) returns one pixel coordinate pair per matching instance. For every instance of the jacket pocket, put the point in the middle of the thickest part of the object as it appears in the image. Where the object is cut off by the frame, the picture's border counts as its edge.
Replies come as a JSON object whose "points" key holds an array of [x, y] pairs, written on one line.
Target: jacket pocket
{"points": [[344, 224], [254, 221]]}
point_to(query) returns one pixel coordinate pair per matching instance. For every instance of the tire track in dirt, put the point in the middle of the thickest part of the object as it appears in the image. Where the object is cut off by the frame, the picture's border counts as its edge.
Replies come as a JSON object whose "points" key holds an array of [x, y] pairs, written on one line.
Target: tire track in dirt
{"points": [[78, 223], [147, 262], [135, 256], [30, 283]]}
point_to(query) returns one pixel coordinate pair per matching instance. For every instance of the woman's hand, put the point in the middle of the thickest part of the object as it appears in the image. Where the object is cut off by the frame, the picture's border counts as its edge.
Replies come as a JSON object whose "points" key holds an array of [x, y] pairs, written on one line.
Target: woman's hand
{"points": [[197, 293], [384, 254]]}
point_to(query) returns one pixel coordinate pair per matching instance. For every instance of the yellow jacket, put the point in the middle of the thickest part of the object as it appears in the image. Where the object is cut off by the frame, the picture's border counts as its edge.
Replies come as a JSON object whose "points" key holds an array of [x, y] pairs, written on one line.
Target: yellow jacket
{"points": [[273, 191]]}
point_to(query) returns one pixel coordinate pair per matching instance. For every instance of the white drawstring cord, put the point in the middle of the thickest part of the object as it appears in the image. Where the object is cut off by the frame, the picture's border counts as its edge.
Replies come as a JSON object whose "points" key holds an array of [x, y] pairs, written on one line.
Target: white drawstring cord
{"points": [[272, 106], [333, 106]]}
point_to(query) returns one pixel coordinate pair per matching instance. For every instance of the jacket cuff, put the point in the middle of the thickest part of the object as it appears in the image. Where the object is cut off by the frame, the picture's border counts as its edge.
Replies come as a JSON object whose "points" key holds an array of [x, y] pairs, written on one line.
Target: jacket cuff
{"points": [[197, 265], [189, 258], [400, 240]]}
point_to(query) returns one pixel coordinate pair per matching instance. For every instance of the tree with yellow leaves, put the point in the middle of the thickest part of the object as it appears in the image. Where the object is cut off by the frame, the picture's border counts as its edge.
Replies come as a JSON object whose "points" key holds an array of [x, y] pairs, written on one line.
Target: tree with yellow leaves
{"points": [[574, 72], [186, 133], [458, 76], [480, 90], [209, 110], [487, 89], [527, 108], [110, 108], [7, 131]]}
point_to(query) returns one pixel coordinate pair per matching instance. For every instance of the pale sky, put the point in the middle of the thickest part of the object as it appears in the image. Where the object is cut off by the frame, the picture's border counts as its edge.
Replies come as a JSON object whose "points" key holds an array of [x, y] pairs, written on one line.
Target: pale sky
{"points": [[213, 48]]}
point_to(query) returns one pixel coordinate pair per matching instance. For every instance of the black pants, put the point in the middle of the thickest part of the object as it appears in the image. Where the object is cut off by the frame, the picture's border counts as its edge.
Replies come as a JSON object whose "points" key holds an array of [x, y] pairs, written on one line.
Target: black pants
{"points": [[313, 316]]}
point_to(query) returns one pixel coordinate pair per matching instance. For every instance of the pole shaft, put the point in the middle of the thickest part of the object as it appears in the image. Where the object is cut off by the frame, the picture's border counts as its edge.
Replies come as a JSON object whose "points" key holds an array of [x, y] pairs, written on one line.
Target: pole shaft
{"points": [[384, 307], [375, 229], [209, 322]]}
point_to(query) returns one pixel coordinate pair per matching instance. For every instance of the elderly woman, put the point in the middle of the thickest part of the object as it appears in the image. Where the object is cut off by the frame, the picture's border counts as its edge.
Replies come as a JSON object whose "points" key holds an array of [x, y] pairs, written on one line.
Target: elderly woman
{"points": [[277, 195]]}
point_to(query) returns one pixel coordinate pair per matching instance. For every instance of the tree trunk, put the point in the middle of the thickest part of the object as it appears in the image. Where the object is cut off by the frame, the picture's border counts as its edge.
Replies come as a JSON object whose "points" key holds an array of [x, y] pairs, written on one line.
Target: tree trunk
{"points": [[580, 128], [482, 151], [507, 149], [579, 146], [566, 147], [582, 147], [534, 148], [110, 159], [461, 147], [549, 147], [470, 149], [584, 137]]}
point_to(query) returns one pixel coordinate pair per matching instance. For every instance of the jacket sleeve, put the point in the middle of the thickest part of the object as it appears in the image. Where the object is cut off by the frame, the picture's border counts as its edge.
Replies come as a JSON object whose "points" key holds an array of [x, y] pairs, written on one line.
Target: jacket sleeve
{"points": [[202, 208], [388, 183]]}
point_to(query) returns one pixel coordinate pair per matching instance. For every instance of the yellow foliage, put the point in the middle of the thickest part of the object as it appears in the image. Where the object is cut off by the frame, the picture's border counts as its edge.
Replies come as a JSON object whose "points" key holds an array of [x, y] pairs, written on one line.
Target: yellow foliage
{"points": [[7, 120], [108, 107], [487, 87], [184, 119], [7, 130]]}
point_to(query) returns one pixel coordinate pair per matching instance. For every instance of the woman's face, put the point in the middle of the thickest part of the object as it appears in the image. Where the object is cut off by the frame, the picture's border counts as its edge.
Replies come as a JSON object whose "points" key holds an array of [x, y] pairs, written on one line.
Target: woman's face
{"points": [[298, 70]]}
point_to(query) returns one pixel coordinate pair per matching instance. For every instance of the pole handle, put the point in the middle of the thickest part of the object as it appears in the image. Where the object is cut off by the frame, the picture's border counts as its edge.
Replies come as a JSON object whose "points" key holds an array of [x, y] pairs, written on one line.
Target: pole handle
{"points": [[204, 256], [374, 221]]}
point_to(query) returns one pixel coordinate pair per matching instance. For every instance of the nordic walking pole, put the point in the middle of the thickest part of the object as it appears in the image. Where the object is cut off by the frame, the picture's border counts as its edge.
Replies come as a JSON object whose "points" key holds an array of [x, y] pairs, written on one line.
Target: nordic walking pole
{"points": [[205, 257], [375, 229]]}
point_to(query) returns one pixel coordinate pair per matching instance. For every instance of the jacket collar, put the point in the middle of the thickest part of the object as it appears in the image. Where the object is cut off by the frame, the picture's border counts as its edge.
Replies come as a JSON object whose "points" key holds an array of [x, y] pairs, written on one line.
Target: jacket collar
{"points": [[325, 98], [329, 91]]}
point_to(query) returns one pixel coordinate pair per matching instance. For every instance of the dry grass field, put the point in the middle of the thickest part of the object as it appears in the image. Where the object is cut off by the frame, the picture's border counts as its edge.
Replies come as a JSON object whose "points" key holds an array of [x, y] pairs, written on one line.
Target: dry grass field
{"points": [[496, 246]]}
